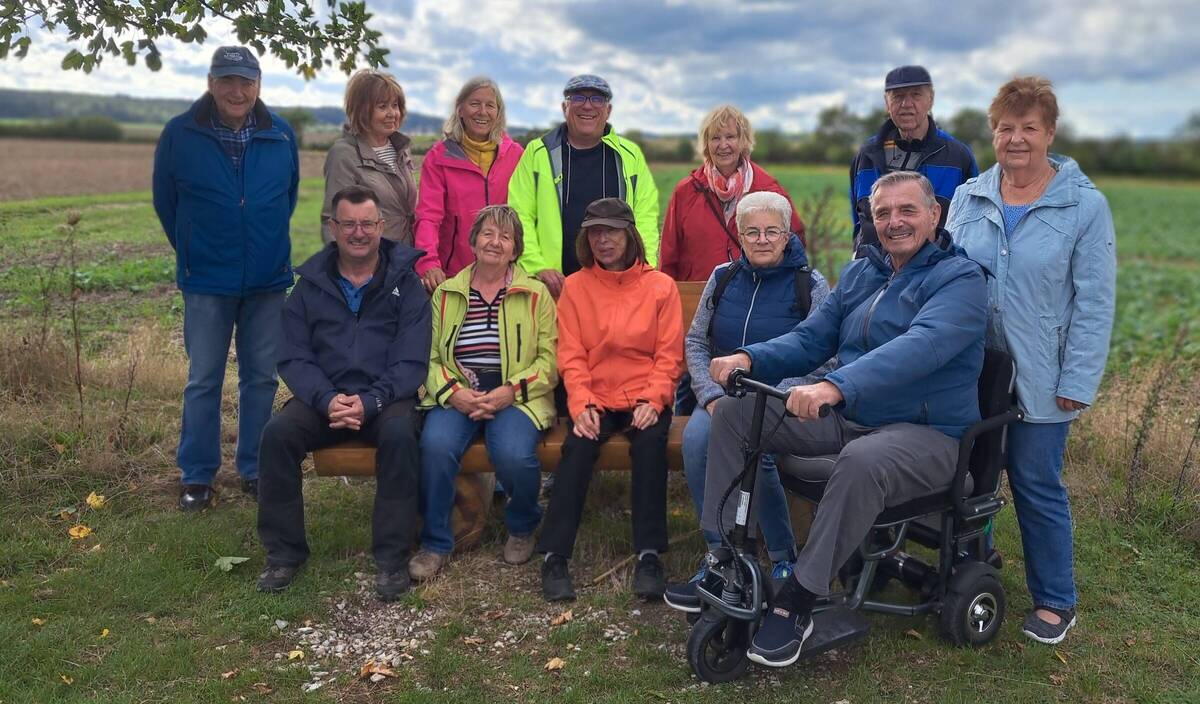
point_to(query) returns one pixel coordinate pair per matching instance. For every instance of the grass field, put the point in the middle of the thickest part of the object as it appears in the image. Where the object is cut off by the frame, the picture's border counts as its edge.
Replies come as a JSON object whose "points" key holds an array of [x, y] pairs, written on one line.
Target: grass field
{"points": [[137, 611]]}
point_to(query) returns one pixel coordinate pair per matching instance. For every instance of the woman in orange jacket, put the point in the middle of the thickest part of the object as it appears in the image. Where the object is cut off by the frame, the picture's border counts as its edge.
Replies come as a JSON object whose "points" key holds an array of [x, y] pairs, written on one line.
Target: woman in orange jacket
{"points": [[620, 352]]}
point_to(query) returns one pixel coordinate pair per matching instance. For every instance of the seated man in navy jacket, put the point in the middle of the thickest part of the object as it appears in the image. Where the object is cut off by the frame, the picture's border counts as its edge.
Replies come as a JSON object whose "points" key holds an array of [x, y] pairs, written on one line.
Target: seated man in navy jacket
{"points": [[906, 324], [354, 351]]}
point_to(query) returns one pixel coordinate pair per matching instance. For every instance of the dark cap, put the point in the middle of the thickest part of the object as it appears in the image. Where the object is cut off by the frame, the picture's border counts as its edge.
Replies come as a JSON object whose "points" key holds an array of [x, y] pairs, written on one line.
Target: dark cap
{"points": [[587, 81], [906, 76], [610, 212], [234, 61]]}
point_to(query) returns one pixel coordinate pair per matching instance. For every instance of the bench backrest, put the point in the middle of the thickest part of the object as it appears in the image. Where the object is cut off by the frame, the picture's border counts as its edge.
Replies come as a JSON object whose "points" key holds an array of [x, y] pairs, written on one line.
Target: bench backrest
{"points": [[689, 296]]}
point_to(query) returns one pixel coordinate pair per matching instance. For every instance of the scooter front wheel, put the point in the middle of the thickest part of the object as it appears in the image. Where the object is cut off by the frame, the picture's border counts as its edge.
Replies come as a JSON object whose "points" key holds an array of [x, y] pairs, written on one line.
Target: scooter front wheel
{"points": [[717, 648]]}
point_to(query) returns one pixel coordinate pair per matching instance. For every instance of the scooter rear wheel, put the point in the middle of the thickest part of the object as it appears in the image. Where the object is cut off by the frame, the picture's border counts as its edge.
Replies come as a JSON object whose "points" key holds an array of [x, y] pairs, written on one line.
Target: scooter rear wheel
{"points": [[717, 648]]}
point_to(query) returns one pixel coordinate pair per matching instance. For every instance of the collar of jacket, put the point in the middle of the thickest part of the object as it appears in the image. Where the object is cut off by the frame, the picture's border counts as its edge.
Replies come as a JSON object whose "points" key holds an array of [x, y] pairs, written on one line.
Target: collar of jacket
{"points": [[367, 155], [456, 156], [395, 260], [932, 252], [460, 283], [1061, 192], [202, 111], [933, 139], [557, 137], [618, 279]]}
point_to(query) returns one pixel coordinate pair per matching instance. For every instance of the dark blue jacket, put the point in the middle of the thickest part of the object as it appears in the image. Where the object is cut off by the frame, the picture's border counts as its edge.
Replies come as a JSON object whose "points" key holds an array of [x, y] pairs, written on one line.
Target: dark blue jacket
{"points": [[229, 229], [944, 160], [381, 354], [909, 344]]}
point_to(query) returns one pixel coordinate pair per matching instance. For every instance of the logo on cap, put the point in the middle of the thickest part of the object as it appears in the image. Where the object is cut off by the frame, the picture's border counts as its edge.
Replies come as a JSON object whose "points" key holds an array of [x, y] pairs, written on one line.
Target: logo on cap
{"points": [[233, 56]]}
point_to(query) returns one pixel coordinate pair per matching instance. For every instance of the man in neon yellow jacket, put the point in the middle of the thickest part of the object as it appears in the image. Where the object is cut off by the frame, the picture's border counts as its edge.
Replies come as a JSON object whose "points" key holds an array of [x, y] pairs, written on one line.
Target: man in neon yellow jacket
{"points": [[562, 172]]}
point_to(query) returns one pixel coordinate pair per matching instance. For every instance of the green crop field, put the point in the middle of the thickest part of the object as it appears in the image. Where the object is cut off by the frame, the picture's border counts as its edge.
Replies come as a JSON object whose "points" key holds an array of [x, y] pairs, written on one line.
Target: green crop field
{"points": [[138, 610]]}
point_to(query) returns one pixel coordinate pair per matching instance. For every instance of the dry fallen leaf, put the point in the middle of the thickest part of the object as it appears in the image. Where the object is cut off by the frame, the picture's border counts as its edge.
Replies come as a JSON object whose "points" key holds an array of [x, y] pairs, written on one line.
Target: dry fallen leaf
{"points": [[79, 532], [913, 633], [104, 633], [1130, 641], [1057, 679], [39, 622], [295, 655], [562, 618], [66, 679], [1058, 654], [261, 688], [493, 614], [370, 667], [231, 674], [96, 500], [555, 664], [472, 640]]}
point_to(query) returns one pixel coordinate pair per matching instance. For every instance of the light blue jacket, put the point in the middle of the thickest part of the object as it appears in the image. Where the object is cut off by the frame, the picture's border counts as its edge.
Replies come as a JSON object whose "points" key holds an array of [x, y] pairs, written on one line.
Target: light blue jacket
{"points": [[1053, 290]]}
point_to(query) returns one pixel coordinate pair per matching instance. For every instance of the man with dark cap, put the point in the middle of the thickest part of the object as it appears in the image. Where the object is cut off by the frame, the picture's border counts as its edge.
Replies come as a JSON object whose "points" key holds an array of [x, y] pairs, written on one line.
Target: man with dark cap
{"points": [[908, 141], [226, 177], [563, 171]]}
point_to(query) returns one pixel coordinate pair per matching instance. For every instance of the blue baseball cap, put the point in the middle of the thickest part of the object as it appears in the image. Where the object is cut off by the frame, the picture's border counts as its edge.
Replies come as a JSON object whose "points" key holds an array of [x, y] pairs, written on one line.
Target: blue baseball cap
{"points": [[907, 76], [235, 61], [587, 81]]}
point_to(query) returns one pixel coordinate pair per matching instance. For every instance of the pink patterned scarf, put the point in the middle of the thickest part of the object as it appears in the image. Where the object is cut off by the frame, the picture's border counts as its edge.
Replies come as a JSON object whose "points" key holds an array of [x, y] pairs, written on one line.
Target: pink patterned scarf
{"points": [[729, 190]]}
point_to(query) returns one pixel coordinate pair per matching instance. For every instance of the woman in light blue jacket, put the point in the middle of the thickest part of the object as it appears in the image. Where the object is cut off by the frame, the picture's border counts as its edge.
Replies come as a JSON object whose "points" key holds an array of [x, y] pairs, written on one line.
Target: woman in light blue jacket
{"points": [[1045, 233]]}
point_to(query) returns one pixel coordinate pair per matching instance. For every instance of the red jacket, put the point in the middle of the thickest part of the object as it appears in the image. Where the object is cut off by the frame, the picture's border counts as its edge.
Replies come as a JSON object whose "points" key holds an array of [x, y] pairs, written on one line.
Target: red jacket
{"points": [[620, 338], [694, 239], [452, 191]]}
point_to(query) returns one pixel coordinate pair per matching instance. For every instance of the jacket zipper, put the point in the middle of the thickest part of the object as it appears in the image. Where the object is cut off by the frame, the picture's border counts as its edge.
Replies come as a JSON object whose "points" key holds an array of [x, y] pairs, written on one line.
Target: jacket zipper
{"points": [[518, 343], [871, 311], [750, 312]]}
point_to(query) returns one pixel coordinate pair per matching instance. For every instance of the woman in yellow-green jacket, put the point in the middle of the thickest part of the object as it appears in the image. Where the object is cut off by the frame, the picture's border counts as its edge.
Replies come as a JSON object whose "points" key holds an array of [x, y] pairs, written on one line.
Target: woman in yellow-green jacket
{"points": [[492, 370]]}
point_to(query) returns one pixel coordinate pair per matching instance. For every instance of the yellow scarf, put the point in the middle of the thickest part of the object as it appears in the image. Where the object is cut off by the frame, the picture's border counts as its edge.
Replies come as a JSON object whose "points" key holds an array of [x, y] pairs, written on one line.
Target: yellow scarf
{"points": [[482, 153]]}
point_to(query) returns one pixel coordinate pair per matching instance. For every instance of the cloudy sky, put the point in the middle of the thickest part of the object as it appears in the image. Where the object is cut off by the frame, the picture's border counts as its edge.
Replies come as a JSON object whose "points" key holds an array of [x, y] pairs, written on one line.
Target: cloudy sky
{"points": [[1120, 66]]}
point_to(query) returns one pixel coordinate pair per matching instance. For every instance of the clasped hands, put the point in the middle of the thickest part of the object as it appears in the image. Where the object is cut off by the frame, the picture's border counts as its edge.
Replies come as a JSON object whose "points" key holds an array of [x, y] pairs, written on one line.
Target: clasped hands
{"points": [[478, 405], [587, 423], [804, 402], [346, 412]]}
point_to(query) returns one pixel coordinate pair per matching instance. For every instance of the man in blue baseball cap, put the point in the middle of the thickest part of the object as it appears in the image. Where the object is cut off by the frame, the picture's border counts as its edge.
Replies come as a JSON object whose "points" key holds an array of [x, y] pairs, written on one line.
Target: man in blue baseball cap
{"points": [[226, 177], [909, 140]]}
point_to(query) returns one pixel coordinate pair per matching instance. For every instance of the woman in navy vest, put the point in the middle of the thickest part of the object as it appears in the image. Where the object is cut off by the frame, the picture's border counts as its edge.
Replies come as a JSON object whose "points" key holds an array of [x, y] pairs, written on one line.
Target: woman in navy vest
{"points": [[758, 297]]}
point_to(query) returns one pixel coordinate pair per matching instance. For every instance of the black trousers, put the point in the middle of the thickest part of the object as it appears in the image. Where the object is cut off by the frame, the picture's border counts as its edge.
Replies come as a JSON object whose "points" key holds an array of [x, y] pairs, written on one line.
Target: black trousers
{"points": [[297, 430], [648, 487]]}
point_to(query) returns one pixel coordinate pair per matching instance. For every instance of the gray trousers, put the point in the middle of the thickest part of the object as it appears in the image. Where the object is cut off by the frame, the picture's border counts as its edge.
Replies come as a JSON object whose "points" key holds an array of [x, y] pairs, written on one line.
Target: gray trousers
{"points": [[876, 468]]}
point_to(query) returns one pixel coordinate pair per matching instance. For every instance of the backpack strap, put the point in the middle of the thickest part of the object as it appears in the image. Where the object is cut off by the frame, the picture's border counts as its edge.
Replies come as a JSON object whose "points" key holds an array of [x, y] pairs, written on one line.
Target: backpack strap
{"points": [[719, 290], [803, 304]]}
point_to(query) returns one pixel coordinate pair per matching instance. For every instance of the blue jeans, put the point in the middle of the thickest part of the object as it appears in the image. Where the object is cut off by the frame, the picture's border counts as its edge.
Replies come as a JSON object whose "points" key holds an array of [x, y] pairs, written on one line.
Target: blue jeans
{"points": [[511, 439], [209, 322], [1035, 459], [772, 502]]}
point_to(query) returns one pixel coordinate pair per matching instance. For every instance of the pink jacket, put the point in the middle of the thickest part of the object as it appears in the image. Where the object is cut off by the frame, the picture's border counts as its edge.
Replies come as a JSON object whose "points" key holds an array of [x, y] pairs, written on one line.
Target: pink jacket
{"points": [[452, 191]]}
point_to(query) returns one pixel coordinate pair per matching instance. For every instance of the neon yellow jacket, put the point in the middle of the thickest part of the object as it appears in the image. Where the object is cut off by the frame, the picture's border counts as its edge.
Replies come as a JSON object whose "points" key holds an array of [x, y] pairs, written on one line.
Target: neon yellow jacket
{"points": [[528, 344], [535, 192]]}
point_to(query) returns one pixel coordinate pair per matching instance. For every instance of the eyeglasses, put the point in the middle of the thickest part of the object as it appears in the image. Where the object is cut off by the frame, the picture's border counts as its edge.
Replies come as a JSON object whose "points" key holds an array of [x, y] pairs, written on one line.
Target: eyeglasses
{"points": [[367, 226], [771, 234], [596, 100]]}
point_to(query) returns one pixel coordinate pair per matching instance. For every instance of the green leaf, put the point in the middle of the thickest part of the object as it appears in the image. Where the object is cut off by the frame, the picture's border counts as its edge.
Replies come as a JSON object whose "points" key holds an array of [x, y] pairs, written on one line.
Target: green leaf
{"points": [[226, 564]]}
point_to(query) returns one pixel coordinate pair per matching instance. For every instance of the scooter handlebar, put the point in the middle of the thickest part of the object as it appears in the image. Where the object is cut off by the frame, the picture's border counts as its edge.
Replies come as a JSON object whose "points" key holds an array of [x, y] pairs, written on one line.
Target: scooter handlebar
{"points": [[740, 383]]}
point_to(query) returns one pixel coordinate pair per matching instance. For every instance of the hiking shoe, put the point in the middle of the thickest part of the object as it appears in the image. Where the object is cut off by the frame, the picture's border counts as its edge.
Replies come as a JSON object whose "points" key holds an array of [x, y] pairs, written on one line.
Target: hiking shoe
{"points": [[649, 578], [250, 488], [195, 497], [390, 585], [1046, 632], [683, 597], [556, 579], [780, 637], [518, 549], [276, 578], [426, 564]]}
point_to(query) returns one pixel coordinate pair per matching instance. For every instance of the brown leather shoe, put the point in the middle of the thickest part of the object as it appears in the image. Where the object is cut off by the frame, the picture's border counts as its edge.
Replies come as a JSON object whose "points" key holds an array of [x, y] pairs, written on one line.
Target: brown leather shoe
{"points": [[518, 549], [426, 564]]}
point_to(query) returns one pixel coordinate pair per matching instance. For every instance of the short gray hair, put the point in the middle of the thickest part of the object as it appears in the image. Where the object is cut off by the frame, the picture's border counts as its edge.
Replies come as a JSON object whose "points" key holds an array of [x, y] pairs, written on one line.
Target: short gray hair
{"points": [[768, 201], [896, 178]]}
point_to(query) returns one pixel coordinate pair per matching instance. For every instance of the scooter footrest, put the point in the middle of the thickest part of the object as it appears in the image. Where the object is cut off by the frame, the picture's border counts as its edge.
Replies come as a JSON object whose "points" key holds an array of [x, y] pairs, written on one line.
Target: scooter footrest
{"points": [[833, 628]]}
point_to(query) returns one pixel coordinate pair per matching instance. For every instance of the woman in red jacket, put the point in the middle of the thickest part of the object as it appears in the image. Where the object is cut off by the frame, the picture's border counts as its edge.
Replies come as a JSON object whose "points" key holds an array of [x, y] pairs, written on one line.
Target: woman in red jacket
{"points": [[620, 352], [699, 233], [461, 174]]}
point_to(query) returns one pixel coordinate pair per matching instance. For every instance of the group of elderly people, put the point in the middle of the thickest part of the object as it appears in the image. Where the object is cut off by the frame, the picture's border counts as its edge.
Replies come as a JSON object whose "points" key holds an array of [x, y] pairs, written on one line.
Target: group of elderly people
{"points": [[470, 296]]}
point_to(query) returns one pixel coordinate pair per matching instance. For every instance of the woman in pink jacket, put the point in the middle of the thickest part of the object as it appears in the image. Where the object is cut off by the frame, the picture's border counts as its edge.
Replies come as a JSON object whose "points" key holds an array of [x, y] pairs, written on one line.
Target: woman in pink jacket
{"points": [[464, 172]]}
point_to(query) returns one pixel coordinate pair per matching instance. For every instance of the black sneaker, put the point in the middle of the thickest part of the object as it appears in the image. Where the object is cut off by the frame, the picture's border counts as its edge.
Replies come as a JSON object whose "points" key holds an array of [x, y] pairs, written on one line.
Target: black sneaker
{"points": [[195, 497], [683, 597], [390, 585], [556, 580], [276, 578], [649, 578], [779, 639], [1046, 632], [250, 488]]}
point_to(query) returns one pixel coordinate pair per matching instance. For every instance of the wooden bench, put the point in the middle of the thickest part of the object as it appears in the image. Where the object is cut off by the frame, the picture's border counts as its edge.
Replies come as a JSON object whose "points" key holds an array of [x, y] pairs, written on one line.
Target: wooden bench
{"points": [[476, 483]]}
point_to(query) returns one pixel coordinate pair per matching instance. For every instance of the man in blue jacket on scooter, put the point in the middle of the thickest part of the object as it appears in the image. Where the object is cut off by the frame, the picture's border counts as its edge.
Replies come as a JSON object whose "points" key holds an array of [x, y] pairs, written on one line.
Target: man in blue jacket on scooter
{"points": [[906, 324]]}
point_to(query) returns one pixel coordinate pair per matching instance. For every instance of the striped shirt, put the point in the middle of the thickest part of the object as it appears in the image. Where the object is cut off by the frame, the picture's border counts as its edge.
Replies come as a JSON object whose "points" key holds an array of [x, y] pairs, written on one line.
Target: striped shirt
{"points": [[386, 154], [477, 349], [234, 141]]}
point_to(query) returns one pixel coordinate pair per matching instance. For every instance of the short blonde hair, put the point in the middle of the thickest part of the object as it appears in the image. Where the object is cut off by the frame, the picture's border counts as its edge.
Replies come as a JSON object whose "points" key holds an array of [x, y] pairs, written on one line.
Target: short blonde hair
{"points": [[365, 89], [503, 217], [717, 119], [453, 129], [1022, 94]]}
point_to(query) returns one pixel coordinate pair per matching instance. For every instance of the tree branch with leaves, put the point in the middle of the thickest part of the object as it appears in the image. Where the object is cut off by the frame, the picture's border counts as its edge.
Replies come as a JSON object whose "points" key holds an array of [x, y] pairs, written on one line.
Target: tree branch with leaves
{"points": [[289, 29]]}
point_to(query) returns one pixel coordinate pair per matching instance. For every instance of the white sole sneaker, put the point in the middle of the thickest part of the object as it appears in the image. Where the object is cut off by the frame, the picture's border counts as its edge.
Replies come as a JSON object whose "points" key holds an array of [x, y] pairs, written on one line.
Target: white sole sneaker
{"points": [[756, 658], [1051, 641]]}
